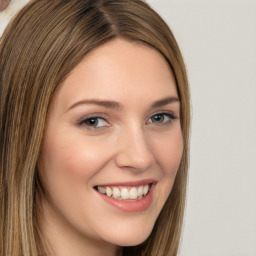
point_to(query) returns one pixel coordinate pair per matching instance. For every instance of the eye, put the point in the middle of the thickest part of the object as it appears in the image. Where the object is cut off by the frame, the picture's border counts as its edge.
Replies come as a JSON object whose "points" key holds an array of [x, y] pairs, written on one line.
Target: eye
{"points": [[161, 118], [94, 122]]}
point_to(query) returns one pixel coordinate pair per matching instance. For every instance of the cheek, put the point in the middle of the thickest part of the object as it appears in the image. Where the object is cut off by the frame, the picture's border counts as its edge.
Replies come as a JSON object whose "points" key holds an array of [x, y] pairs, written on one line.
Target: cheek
{"points": [[169, 151], [172, 154], [69, 163], [168, 154], [71, 156]]}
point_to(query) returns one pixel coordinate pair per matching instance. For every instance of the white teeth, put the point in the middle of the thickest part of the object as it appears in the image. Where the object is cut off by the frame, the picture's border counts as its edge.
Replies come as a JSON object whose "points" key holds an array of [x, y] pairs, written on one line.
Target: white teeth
{"points": [[124, 193], [109, 191], [145, 190], [133, 193], [140, 191], [116, 192], [102, 190]]}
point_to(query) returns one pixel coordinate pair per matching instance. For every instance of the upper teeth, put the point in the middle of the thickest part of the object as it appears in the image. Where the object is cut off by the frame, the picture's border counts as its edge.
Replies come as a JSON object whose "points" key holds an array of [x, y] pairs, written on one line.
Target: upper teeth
{"points": [[124, 193]]}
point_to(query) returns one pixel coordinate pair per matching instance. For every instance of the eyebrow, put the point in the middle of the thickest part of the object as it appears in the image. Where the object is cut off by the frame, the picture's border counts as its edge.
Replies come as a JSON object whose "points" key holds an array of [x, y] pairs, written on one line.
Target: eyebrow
{"points": [[164, 101], [117, 106]]}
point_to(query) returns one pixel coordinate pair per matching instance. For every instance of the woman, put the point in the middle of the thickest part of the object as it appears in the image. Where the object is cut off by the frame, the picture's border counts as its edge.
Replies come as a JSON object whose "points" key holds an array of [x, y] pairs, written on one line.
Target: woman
{"points": [[94, 131]]}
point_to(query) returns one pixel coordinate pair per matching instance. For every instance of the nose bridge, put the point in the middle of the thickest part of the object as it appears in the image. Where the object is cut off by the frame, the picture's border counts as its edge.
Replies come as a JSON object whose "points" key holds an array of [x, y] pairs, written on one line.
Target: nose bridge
{"points": [[135, 150]]}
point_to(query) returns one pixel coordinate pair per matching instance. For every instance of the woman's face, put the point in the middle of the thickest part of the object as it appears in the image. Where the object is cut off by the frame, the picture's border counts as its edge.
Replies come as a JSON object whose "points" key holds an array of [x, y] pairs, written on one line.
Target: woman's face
{"points": [[113, 132]]}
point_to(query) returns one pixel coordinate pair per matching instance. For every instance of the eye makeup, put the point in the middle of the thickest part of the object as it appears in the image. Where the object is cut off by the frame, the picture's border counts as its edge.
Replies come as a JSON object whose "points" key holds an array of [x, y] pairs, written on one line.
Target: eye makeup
{"points": [[99, 121]]}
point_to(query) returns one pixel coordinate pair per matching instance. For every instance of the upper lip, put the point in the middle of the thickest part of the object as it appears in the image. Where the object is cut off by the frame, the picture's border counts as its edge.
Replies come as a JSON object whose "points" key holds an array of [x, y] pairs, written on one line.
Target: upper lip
{"points": [[129, 183]]}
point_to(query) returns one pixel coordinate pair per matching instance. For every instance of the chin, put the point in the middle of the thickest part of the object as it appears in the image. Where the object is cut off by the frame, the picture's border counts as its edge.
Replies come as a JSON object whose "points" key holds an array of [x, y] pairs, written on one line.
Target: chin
{"points": [[129, 236], [131, 240]]}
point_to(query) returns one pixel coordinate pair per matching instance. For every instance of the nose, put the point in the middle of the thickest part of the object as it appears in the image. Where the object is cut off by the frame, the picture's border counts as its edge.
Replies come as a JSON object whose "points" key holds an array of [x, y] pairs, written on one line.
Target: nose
{"points": [[134, 150]]}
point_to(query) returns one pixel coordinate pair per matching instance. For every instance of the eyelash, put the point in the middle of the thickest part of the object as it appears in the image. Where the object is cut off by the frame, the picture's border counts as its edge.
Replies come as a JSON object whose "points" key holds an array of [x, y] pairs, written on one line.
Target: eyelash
{"points": [[169, 115]]}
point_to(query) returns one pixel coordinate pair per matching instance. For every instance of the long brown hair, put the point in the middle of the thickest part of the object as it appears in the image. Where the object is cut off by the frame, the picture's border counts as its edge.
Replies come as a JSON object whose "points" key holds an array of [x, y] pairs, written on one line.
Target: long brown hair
{"points": [[40, 47]]}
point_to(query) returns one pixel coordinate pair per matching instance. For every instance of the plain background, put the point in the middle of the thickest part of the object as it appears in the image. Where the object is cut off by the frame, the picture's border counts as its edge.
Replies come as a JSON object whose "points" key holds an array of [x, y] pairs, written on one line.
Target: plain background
{"points": [[218, 41]]}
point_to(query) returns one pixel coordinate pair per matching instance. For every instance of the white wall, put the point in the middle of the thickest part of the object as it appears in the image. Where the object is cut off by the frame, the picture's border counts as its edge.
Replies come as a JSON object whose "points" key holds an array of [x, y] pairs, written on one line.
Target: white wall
{"points": [[218, 41]]}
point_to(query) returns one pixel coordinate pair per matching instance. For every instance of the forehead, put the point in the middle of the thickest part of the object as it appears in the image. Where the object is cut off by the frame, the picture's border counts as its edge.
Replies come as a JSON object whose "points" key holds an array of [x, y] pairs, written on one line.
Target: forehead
{"points": [[118, 70]]}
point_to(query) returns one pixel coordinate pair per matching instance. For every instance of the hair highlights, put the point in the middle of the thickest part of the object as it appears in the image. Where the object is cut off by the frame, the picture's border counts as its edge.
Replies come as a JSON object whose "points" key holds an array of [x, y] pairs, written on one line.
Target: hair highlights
{"points": [[40, 47]]}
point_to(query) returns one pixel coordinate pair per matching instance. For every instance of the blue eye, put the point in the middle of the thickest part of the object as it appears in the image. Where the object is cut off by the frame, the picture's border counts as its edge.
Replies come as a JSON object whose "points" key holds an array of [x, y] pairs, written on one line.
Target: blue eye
{"points": [[162, 118]]}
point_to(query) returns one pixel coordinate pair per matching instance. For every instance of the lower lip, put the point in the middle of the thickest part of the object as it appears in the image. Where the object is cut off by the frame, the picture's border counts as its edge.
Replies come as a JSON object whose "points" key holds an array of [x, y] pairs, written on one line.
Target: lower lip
{"points": [[131, 206]]}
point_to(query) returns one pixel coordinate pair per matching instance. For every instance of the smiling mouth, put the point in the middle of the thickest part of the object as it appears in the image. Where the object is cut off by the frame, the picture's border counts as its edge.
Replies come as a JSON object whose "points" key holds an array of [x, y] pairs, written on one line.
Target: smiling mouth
{"points": [[128, 193]]}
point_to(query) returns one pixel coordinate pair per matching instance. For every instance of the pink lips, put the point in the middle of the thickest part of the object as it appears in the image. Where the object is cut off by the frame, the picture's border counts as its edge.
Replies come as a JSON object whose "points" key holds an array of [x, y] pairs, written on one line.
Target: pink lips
{"points": [[131, 206]]}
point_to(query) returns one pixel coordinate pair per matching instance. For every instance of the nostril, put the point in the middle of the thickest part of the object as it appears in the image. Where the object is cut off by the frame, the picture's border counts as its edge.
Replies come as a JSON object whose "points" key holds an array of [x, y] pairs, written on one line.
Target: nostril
{"points": [[4, 4]]}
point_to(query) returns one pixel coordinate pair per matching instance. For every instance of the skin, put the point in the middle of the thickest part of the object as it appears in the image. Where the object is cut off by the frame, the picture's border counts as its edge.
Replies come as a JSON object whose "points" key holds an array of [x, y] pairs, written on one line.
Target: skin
{"points": [[127, 144]]}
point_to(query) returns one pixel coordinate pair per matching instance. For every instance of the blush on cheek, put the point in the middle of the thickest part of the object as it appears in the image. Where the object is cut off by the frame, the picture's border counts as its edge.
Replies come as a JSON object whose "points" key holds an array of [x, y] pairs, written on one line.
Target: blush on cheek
{"points": [[78, 160], [172, 154]]}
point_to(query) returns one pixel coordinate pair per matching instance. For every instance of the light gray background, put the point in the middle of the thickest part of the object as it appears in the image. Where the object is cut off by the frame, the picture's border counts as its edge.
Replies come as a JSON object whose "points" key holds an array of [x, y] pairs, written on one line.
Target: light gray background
{"points": [[218, 41]]}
